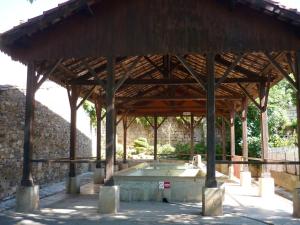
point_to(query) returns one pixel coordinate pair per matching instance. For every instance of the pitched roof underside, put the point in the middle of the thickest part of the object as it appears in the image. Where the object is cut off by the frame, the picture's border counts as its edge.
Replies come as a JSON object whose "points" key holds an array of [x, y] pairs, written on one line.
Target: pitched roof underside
{"points": [[164, 98]]}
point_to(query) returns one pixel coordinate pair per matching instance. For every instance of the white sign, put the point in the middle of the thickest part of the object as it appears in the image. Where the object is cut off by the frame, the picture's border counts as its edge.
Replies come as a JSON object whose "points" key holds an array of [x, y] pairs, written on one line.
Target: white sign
{"points": [[161, 185]]}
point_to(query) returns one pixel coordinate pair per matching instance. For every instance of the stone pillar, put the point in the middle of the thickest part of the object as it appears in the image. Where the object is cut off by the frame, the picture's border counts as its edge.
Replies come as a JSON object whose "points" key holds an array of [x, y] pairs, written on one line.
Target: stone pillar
{"points": [[232, 142], [212, 195], [27, 196]]}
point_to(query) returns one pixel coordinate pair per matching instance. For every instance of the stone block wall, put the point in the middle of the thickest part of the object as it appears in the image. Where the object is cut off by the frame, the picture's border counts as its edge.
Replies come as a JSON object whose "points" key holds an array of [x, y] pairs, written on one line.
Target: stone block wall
{"points": [[51, 140]]}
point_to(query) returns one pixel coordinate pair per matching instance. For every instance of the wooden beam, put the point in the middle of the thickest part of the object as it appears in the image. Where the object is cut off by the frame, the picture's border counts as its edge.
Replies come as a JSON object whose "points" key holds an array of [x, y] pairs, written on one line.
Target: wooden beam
{"points": [[74, 93], [249, 96], [290, 62], [191, 72], [210, 181], [94, 74], [27, 179], [297, 76], [90, 92], [110, 119], [264, 128], [165, 98], [155, 128], [98, 106], [161, 123], [229, 69], [47, 75], [232, 133], [157, 68], [245, 131], [280, 70], [192, 137], [223, 134], [126, 74], [220, 60], [125, 127]]}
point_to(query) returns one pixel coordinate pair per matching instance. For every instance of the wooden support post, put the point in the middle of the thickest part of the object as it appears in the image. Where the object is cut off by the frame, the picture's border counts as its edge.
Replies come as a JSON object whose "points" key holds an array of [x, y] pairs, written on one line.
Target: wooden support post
{"points": [[232, 133], [125, 139], [98, 105], [223, 139], [28, 130], [245, 131], [192, 136], [264, 127], [73, 97], [210, 115], [110, 119], [297, 76], [115, 141], [155, 137]]}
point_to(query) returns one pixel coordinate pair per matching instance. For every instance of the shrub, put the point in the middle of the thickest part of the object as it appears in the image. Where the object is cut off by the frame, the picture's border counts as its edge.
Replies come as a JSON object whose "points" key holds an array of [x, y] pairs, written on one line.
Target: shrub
{"points": [[141, 145], [166, 149]]}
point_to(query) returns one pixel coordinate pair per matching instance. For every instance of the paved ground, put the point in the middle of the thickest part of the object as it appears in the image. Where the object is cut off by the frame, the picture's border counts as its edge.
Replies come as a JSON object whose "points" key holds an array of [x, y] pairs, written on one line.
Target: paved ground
{"points": [[240, 207]]}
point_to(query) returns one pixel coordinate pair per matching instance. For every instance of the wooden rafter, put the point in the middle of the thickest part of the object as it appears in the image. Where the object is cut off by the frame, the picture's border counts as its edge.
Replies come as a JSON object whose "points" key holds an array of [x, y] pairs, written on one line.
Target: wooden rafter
{"points": [[191, 72], [281, 70], [229, 69], [249, 96]]}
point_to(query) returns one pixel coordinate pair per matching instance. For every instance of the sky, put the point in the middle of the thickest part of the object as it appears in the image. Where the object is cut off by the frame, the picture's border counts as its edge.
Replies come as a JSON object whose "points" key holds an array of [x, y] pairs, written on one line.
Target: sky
{"points": [[12, 12]]}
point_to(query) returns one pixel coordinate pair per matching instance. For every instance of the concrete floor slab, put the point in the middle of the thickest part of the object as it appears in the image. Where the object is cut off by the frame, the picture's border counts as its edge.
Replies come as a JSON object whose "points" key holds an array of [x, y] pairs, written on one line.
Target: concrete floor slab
{"points": [[241, 206]]}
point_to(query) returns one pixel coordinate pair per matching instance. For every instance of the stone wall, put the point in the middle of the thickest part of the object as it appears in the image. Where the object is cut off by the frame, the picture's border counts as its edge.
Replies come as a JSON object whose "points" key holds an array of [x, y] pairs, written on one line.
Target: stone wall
{"points": [[51, 140], [171, 132]]}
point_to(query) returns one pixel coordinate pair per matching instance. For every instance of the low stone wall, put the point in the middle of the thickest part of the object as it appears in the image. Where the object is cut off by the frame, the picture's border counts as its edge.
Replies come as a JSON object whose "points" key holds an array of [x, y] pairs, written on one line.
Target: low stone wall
{"points": [[51, 140], [285, 180]]}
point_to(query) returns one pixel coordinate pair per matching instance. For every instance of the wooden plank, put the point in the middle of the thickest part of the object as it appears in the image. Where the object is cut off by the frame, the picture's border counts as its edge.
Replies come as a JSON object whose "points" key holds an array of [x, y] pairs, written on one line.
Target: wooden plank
{"points": [[210, 181], [28, 128]]}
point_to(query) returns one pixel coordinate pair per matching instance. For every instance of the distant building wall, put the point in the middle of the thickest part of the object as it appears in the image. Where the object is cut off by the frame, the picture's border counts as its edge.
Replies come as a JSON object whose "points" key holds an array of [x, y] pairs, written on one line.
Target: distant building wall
{"points": [[51, 140]]}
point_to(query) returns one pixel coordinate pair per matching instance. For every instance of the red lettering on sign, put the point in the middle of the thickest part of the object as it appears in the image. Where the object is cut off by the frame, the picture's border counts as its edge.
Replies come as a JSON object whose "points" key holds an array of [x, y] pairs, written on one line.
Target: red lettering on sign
{"points": [[167, 184]]}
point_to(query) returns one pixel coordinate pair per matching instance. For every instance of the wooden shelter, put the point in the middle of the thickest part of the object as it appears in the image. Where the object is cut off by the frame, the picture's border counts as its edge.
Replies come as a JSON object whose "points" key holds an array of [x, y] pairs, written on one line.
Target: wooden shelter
{"points": [[159, 58]]}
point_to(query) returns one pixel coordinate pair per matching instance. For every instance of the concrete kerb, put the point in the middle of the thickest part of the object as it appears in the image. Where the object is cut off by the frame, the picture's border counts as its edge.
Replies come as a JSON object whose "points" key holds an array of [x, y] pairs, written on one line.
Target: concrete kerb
{"points": [[27, 199], [266, 187], [73, 185], [296, 203], [245, 179], [109, 199], [212, 201]]}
